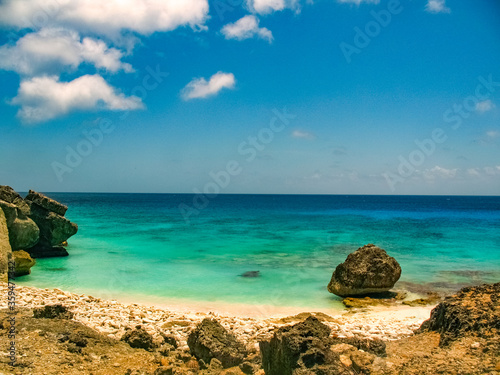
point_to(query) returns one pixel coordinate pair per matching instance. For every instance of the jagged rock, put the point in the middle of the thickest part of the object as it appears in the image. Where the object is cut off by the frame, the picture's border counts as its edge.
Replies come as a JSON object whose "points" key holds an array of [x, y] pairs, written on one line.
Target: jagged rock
{"points": [[211, 340], [46, 202], [367, 270], [9, 195], [472, 311], [303, 348], [138, 338], [54, 228], [56, 311], [5, 249], [373, 346], [10, 211], [23, 262]]}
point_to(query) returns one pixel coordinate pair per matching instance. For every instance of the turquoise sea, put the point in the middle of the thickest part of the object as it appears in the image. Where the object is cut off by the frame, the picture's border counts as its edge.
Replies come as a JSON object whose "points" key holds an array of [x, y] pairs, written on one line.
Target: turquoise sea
{"points": [[140, 246]]}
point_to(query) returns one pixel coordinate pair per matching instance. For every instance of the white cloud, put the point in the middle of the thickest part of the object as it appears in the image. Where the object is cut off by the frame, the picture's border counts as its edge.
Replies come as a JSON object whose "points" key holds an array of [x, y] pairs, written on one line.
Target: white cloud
{"points": [[45, 98], [201, 88], [485, 106], [437, 6], [437, 171], [245, 28], [358, 2], [302, 134], [266, 6], [106, 17], [473, 172], [49, 50]]}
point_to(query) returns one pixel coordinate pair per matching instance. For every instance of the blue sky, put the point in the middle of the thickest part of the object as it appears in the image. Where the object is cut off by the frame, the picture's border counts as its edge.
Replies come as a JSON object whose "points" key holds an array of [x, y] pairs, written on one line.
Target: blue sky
{"points": [[272, 96]]}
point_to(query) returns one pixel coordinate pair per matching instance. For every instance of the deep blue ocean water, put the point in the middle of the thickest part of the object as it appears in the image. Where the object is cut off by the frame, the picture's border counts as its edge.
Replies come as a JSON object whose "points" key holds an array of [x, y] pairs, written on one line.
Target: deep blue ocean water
{"points": [[139, 245]]}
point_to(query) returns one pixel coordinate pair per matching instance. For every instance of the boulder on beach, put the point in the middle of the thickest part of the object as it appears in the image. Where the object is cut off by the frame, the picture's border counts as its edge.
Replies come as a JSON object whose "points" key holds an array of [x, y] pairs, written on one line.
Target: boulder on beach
{"points": [[56, 311], [23, 262], [5, 249], [138, 338], [211, 340], [472, 311], [303, 348], [367, 270]]}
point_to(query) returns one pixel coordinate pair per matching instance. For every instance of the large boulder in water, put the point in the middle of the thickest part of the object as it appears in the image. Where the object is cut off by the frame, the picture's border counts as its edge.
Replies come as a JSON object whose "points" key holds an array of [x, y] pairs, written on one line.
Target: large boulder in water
{"points": [[211, 340], [367, 270], [472, 311], [5, 249], [54, 228], [303, 348]]}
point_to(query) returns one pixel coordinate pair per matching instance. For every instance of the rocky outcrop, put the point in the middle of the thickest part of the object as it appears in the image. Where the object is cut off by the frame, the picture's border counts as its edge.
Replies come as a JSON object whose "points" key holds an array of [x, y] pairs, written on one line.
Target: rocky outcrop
{"points": [[23, 263], [472, 311], [211, 340], [303, 348], [23, 232], [367, 270], [5, 249], [36, 224], [56, 311]]}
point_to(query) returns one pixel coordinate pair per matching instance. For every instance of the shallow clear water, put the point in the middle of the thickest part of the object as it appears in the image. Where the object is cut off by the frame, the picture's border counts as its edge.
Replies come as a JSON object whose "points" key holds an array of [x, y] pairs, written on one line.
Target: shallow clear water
{"points": [[139, 245]]}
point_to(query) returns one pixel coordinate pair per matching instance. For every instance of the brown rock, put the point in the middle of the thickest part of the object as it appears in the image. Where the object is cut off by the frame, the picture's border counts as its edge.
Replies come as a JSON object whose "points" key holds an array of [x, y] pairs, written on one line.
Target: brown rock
{"points": [[23, 262], [472, 311], [211, 340], [367, 270], [46, 203], [5, 249]]}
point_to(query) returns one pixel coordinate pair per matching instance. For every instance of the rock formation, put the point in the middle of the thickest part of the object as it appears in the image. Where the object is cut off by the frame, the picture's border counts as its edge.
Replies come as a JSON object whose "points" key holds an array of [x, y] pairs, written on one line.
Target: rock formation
{"points": [[211, 340], [23, 262], [303, 348], [5, 249], [36, 224], [472, 311], [367, 270]]}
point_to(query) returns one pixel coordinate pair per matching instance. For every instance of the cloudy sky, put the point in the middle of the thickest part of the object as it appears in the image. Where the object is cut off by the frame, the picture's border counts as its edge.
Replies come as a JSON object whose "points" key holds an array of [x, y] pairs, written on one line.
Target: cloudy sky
{"points": [[260, 96]]}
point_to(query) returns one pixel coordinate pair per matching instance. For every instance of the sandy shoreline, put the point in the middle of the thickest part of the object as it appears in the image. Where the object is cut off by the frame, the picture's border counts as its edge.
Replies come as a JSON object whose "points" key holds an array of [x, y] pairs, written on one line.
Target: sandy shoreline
{"points": [[113, 318]]}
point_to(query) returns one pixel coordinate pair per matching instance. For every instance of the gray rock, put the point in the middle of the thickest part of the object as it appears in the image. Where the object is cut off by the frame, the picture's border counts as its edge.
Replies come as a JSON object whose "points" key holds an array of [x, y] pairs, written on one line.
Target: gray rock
{"points": [[211, 340], [46, 202], [367, 270], [5, 249], [23, 233], [23, 262], [9, 195]]}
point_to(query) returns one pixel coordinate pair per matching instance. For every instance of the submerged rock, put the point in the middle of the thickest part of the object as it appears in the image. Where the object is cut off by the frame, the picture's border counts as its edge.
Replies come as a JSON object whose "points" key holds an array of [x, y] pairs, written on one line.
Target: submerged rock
{"points": [[472, 311], [251, 274], [367, 270], [211, 340], [23, 262]]}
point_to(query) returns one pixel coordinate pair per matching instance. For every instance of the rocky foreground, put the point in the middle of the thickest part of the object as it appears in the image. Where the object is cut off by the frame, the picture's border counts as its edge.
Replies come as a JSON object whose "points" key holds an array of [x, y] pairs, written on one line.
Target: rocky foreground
{"points": [[62, 333]]}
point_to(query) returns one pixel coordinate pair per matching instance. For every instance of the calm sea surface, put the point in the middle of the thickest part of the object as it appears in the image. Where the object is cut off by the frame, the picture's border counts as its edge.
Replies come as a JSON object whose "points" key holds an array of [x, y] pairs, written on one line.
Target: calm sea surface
{"points": [[139, 245]]}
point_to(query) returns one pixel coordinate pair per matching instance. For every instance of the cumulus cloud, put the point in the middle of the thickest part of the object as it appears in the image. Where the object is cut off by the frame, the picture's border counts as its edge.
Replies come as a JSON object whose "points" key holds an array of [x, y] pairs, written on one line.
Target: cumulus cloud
{"points": [[266, 6], [105, 17], [437, 6], [485, 106], [302, 134], [50, 50], [358, 2], [201, 88], [245, 28], [44, 98]]}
